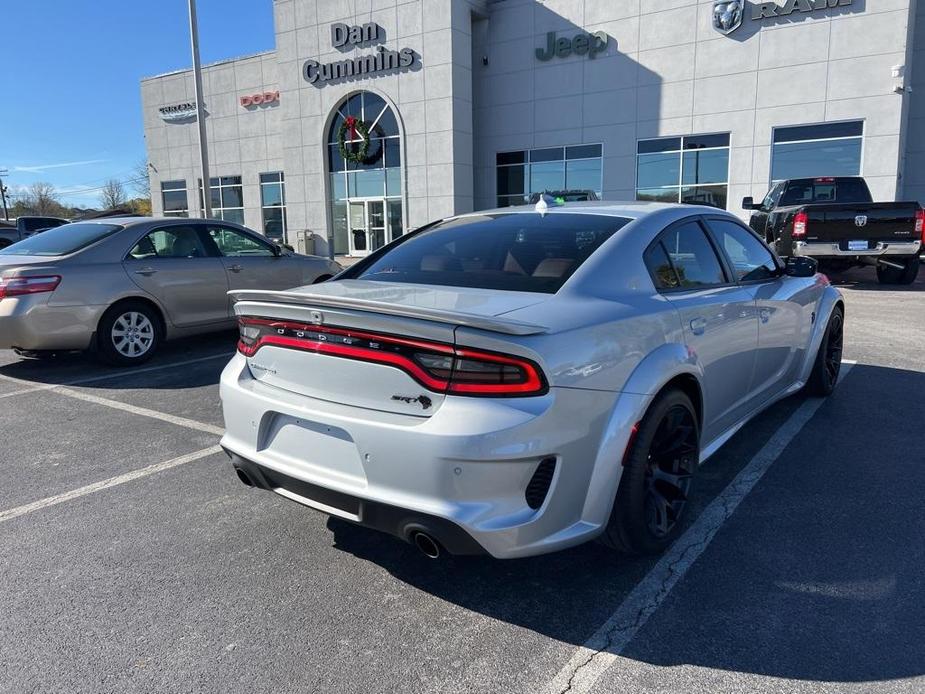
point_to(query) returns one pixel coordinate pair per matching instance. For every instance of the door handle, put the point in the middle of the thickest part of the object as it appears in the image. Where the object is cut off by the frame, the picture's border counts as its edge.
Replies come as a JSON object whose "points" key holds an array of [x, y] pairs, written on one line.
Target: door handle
{"points": [[698, 326], [236, 268], [146, 271]]}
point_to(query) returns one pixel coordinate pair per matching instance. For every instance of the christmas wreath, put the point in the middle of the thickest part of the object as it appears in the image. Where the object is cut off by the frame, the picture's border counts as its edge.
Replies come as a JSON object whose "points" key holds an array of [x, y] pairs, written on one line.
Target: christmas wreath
{"points": [[358, 131]]}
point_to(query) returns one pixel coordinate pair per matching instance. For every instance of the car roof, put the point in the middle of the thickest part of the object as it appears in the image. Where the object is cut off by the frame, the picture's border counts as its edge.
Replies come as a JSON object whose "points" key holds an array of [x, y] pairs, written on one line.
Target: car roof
{"points": [[633, 209]]}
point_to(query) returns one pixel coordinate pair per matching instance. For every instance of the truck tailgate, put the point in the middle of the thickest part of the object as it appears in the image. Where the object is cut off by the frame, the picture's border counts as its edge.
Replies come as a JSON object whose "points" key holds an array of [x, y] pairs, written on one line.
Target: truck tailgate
{"points": [[876, 222]]}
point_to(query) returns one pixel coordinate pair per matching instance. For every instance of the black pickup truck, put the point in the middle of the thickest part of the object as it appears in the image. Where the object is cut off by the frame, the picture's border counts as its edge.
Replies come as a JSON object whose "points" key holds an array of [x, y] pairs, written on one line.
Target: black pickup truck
{"points": [[836, 221]]}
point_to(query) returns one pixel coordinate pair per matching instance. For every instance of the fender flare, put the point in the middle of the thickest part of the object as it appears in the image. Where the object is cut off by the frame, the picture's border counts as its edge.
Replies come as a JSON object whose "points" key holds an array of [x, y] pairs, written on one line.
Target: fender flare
{"points": [[652, 374], [831, 297]]}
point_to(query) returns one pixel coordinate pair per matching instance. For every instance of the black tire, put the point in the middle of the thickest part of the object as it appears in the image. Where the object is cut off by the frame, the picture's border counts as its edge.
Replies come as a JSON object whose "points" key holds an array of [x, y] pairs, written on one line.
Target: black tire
{"points": [[656, 483], [893, 275], [827, 366], [322, 278], [4, 243], [129, 333]]}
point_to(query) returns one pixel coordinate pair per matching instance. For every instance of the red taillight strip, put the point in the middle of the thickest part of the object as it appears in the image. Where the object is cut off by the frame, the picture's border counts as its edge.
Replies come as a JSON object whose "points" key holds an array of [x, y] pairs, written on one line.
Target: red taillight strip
{"points": [[19, 286], [533, 384]]}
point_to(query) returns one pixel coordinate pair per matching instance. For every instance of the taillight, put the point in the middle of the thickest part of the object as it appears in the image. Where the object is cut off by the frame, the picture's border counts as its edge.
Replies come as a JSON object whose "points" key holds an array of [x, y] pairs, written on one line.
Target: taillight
{"points": [[18, 286], [920, 224], [800, 222], [437, 366]]}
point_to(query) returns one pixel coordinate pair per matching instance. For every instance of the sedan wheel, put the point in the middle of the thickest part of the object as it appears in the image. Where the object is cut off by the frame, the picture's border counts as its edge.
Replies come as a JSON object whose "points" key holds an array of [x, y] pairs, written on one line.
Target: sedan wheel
{"points": [[826, 368], [657, 474], [129, 333], [132, 334]]}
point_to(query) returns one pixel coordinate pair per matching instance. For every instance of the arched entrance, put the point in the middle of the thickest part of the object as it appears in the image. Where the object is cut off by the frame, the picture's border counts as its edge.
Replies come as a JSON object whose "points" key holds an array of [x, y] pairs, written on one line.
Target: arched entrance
{"points": [[364, 163]]}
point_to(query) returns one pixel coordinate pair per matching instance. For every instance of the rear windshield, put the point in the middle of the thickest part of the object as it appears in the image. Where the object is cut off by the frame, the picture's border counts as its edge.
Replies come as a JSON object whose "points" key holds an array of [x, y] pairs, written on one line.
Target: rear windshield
{"points": [[62, 240], [514, 252], [812, 191]]}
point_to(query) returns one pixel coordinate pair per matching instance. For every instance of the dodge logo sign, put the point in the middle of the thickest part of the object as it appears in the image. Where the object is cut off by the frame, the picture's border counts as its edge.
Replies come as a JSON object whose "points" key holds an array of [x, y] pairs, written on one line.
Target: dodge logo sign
{"points": [[860, 220], [728, 15]]}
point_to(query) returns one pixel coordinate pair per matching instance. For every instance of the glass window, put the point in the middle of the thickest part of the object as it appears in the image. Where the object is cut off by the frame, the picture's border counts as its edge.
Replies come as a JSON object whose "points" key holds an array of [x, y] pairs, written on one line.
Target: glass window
{"points": [[513, 252], [693, 257], [273, 205], [770, 200], [226, 195], [170, 242], [803, 192], [556, 170], [232, 243], [692, 169], [751, 259], [663, 275], [806, 151], [62, 240], [377, 176], [173, 195]]}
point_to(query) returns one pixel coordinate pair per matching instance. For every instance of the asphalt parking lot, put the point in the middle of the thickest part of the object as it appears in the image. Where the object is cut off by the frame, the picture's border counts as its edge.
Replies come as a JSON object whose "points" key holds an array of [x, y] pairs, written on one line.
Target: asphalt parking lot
{"points": [[132, 559]]}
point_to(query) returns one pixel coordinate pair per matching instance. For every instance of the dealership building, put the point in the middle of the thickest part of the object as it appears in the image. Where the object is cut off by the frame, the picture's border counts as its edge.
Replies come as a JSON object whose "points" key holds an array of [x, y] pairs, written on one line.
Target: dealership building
{"points": [[373, 117]]}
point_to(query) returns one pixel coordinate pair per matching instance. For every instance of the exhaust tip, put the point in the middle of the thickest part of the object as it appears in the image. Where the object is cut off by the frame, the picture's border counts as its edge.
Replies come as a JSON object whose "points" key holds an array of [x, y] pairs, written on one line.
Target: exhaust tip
{"points": [[244, 477], [428, 545]]}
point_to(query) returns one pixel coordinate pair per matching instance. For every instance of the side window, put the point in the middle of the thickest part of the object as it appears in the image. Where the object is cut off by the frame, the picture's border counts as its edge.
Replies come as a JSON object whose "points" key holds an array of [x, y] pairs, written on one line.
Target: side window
{"points": [[693, 257], [233, 244], [663, 275], [770, 200], [169, 242], [751, 259]]}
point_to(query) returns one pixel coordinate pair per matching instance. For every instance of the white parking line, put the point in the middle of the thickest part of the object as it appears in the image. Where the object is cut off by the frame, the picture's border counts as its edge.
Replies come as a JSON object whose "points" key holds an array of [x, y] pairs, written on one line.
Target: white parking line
{"points": [[603, 649], [105, 484], [142, 411], [32, 388]]}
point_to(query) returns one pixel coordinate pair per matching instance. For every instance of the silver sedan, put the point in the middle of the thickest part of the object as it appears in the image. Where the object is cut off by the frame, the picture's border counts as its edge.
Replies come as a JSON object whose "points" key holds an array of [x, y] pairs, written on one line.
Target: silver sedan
{"points": [[520, 381], [123, 285]]}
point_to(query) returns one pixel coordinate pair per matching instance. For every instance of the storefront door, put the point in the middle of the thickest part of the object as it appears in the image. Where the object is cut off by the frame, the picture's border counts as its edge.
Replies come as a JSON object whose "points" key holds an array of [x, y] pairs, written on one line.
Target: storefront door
{"points": [[367, 226]]}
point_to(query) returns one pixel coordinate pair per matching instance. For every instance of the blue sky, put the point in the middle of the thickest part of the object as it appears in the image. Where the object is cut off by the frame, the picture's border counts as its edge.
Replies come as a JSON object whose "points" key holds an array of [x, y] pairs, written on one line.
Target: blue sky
{"points": [[71, 105]]}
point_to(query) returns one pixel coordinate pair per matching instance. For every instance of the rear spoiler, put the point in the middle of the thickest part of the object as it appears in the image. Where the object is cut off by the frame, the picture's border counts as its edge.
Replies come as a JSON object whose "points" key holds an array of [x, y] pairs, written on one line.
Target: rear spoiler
{"points": [[471, 320]]}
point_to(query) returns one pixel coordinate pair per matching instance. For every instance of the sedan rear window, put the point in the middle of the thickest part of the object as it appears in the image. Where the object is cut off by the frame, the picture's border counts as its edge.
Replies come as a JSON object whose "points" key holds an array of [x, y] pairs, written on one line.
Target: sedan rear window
{"points": [[515, 252], [62, 240]]}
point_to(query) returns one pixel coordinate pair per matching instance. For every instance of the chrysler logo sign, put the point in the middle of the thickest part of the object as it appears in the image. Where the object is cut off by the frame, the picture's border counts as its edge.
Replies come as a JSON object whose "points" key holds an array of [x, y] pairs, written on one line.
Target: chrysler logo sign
{"points": [[728, 15]]}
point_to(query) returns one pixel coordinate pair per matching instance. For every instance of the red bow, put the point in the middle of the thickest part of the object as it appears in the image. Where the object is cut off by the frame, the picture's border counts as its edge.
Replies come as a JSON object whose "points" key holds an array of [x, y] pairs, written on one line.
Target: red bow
{"points": [[352, 124]]}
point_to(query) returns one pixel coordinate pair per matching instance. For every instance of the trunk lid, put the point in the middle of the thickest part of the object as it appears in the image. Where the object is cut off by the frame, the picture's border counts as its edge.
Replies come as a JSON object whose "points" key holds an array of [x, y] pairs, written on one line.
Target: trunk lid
{"points": [[373, 337], [874, 222]]}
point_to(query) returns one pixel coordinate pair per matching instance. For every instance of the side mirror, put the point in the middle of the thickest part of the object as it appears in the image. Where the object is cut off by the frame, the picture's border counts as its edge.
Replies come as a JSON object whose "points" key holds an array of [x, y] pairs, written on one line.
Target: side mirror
{"points": [[749, 204], [800, 266], [277, 250]]}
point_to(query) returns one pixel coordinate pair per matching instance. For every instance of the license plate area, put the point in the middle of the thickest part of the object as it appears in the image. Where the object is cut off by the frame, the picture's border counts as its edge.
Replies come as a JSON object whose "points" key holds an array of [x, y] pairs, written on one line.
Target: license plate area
{"points": [[858, 245], [323, 451]]}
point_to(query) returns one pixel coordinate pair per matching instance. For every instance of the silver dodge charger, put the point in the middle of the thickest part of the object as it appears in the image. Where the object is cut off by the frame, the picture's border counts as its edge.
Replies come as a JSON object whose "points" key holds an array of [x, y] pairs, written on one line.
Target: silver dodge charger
{"points": [[523, 380]]}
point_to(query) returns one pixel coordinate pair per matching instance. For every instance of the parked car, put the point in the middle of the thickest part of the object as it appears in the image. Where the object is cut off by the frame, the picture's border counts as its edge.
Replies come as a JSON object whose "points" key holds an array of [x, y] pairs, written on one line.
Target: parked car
{"points": [[516, 382], [122, 286], [835, 221], [25, 227]]}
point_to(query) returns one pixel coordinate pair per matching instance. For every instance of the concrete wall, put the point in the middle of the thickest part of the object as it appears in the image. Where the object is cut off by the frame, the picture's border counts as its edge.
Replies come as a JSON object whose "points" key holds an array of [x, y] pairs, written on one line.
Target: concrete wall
{"points": [[672, 73], [242, 141]]}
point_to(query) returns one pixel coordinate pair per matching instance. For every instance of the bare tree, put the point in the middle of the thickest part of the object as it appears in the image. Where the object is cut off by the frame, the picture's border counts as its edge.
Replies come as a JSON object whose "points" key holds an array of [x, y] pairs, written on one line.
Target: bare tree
{"points": [[141, 181], [112, 195], [42, 199]]}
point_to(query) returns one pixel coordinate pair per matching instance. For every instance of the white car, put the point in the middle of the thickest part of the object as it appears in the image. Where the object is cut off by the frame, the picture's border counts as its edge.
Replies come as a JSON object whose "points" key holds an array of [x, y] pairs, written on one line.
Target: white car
{"points": [[523, 380]]}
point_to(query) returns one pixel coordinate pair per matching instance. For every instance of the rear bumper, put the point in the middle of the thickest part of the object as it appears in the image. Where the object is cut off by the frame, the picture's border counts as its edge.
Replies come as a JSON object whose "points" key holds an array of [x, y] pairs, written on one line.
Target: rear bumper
{"points": [[394, 520], [462, 473], [832, 250], [30, 323]]}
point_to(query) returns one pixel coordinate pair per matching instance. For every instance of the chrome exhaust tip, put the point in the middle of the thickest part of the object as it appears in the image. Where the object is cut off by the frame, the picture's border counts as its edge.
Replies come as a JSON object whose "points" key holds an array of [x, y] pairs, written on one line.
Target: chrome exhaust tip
{"points": [[244, 477], [428, 546]]}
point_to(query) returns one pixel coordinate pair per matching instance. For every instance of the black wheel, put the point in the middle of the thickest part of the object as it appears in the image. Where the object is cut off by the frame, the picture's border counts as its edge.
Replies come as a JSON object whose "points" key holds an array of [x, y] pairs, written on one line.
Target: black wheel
{"points": [[656, 483], [895, 275], [4, 243], [322, 278], [824, 376], [129, 333]]}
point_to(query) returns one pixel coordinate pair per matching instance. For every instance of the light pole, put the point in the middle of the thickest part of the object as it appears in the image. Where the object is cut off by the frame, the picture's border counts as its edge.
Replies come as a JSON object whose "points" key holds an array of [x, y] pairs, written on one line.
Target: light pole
{"points": [[6, 212], [200, 113]]}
